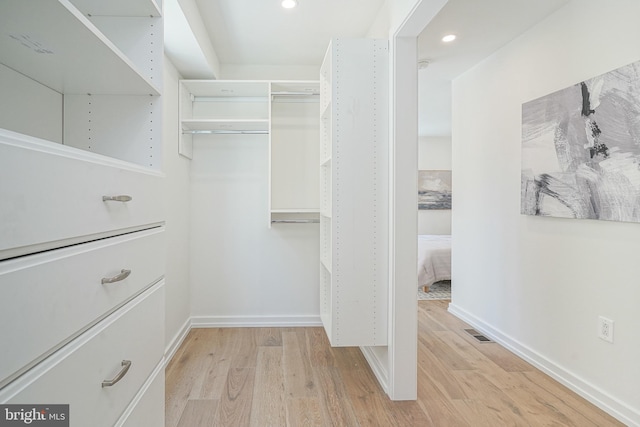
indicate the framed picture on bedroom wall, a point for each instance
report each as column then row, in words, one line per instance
column 434, row 189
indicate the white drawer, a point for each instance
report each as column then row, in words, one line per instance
column 148, row 410
column 51, row 195
column 74, row 375
column 50, row 297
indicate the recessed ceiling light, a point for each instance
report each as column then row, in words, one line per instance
column 449, row 38
column 289, row 4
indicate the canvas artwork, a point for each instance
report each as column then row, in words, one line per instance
column 581, row 149
column 434, row 189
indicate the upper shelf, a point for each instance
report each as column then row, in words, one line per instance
column 53, row 43
column 204, row 126
column 118, row 7
column 298, row 88
column 227, row 88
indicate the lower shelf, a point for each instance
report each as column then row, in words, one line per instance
column 294, row 217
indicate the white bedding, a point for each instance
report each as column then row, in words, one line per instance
column 434, row 259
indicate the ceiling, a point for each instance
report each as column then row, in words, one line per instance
column 481, row 27
column 261, row 32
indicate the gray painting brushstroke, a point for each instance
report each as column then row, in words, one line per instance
column 581, row 149
column 434, row 189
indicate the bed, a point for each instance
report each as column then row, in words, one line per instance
column 434, row 259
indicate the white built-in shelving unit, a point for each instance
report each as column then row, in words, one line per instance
column 285, row 112
column 82, row 218
column 353, row 192
column 103, row 62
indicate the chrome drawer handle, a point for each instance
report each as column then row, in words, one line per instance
column 126, row 364
column 123, row 275
column 121, row 198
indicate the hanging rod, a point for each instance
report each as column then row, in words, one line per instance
column 295, row 221
column 226, row 132
column 291, row 93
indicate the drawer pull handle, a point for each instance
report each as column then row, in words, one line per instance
column 123, row 275
column 122, row 198
column 126, row 364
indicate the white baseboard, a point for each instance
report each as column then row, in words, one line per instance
column 176, row 342
column 377, row 367
column 254, row 321
column 592, row 393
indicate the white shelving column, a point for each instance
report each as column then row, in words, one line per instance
column 354, row 192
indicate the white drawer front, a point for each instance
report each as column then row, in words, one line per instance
column 149, row 410
column 74, row 375
column 49, row 197
column 49, row 297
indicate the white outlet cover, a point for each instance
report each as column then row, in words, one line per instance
column 605, row 329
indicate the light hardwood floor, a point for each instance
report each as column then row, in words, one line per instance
column 292, row 377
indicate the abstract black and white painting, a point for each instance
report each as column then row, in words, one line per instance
column 581, row 149
column 434, row 189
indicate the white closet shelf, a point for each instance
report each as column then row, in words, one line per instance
column 118, row 7
column 53, row 43
column 296, row 210
column 301, row 89
column 325, row 161
column 225, row 125
column 295, row 216
column 228, row 88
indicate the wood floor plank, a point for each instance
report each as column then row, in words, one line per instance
column 367, row 399
column 444, row 352
column 571, row 399
column 268, row 404
column 444, row 413
column 490, row 412
column 334, row 402
column 269, row 337
column 234, row 408
column 432, row 371
column 348, row 358
column 320, row 351
column 200, row 413
column 246, row 352
column 184, row 374
column 304, row 412
column 502, row 357
column 298, row 375
column 215, row 378
column 408, row 413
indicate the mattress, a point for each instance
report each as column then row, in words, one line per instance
column 434, row 259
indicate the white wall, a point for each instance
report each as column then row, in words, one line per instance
column 434, row 153
column 177, row 204
column 269, row 72
column 242, row 271
column 29, row 108
column 539, row 284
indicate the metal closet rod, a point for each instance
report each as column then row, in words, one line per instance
column 295, row 221
column 226, row 132
column 292, row 93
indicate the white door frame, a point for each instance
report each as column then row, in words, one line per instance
column 403, row 155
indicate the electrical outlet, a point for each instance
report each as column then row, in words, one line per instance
column 605, row 329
